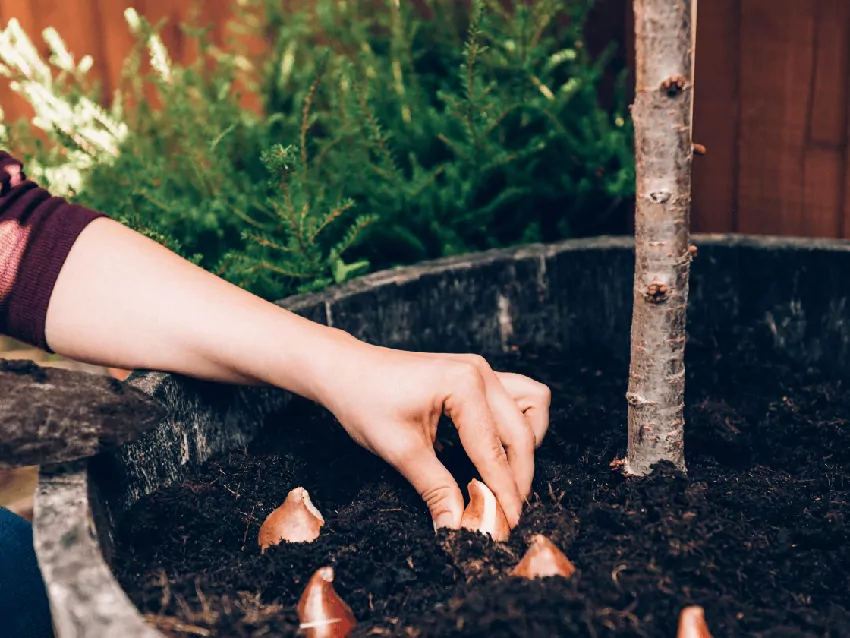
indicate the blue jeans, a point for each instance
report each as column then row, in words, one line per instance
column 24, row 610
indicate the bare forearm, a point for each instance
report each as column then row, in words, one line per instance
column 123, row 300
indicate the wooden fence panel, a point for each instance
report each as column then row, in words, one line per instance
column 823, row 161
column 776, row 58
column 771, row 97
column 25, row 13
column 116, row 40
column 715, row 176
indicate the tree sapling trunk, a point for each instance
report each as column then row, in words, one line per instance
column 662, row 114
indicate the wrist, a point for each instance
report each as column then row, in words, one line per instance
column 327, row 362
column 298, row 355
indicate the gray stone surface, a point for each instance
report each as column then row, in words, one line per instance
column 575, row 293
column 49, row 415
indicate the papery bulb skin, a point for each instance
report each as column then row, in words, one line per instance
column 296, row 521
column 542, row 560
column 484, row 514
column 692, row 623
column 321, row 612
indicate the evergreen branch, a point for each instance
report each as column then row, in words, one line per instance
column 353, row 233
column 245, row 217
column 326, row 148
column 150, row 198
column 547, row 12
column 501, row 116
column 305, row 209
column 382, row 172
column 217, row 140
column 454, row 147
column 430, row 179
column 510, row 158
column 375, row 128
column 497, row 7
column 266, row 243
column 504, row 160
column 514, row 100
column 553, row 119
column 305, row 125
column 280, row 270
column 335, row 213
column 288, row 215
column 545, row 90
column 505, row 196
column 224, row 265
column 305, row 117
column 291, row 216
column 471, row 51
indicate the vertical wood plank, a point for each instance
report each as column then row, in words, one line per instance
column 823, row 167
column 218, row 13
column 829, row 83
column 844, row 222
column 172, row 38
column 823, row 172
column 606, row 24
column 116, row 40
column 74, row 21
column 23, row 12
column 182, row 48
column 173, row 13
column 715, row 196
column 629, row 44
column 777, row 38
column 15, row 106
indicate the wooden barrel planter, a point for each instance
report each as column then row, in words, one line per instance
column 160, row 537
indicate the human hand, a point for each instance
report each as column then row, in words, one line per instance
column 122, row 300
column 390, row 401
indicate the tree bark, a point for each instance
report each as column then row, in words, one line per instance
column 662, row 114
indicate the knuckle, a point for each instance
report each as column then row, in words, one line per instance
column 466, row 377
column 496, row 450
column 478, row 361
column 485, row 443
column 544, row 394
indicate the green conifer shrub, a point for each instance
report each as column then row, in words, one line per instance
column 389, row 132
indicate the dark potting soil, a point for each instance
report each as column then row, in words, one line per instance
column 756, row 533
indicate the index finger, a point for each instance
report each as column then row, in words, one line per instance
column 533, row 399
column 468, row 408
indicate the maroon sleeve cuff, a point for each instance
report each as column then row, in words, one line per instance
column 37, row 232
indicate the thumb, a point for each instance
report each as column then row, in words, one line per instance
column 435, row 485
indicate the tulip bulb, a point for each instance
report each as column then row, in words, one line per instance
column 296, row 521
column 692, row 623
column 321, row 612
column 543, row 559
column 484, row 514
